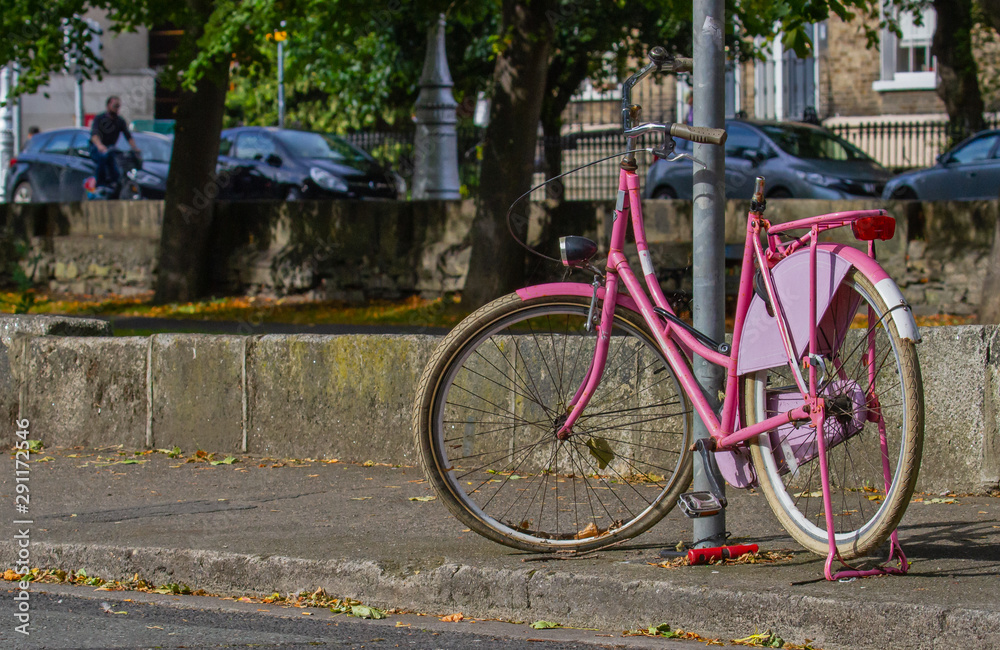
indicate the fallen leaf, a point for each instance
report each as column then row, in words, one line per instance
column 229, row 460
column 364, row 611
column 422, row 498
column 601, row 450
column 590, row 531
column 544, row 625
column 453, row 618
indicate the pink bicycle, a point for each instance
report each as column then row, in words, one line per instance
column 557, row 417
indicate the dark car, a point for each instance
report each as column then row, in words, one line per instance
column 797, row 160
column 54, row 164
column 150, row 180
column 272, row 163
column 970, row 171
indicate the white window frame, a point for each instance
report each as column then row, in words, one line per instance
column 891, row 79
column 769, row 92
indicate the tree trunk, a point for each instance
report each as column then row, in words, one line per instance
column 497, row 265
column 191, row 189
column 562, row 81
column 989, row 304
column 959, row 87
column 552, row 148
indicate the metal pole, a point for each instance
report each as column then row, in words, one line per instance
column 6, row 127
column 78, row 99
column 17, row 114
column 709, row 231
column 281, row 79
column 435, row 168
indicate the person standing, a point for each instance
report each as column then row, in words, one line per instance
column 104, row 133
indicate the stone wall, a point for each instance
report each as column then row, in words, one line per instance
column 350, row 397
column 357, row 251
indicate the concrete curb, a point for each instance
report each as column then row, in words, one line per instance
column 350, row 397
column 543, row 593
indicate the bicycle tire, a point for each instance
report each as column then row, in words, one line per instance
column 489, row 404
column 866, row 512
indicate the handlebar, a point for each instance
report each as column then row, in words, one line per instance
column 660, row 61
column 701, row 134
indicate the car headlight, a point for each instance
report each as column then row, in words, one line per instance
column 327, row 181
column 144, row 178
column 818, row 179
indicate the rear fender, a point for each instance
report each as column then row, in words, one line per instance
column 760, row 344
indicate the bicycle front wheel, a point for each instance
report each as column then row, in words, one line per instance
column 873, row 430
column 497, row 390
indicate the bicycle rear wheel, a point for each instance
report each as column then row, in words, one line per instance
column 865, row 387
column 496, row 391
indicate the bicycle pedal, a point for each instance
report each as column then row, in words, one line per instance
column 700, row 504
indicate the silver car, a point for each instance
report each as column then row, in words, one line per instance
column 968, row 172
column 797, row 160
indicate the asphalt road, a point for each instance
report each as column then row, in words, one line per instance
column 80, row 617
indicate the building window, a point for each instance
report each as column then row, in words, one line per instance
column 907, row 63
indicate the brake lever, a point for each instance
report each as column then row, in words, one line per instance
column 658, row 153
column 687, row 156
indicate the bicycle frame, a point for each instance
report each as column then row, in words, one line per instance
column 678, row 344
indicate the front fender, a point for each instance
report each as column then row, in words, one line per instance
column 760, row 344
column 573, row 289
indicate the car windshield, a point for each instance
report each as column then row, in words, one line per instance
column 814, row 144
column 153, row 149
column 303, row 144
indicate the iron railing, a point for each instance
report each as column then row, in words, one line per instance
column 896, row 145
column 904, row 145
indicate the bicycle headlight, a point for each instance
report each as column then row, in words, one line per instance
column 326, row 180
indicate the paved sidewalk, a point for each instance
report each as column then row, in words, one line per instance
column 353, row 530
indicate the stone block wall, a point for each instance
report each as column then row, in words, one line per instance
column 351, row 397
column 358, row 251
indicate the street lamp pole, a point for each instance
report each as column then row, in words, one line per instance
column 709, row 290
column 281, row 76
column 6, row 125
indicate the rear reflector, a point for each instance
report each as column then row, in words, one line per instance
column 13, row 161
column 877, row 227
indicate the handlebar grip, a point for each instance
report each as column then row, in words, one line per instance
column 701, row 134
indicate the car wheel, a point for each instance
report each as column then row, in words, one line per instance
column 664, row 193
column 779, row 193
column 293, row 194
column 904, row 194
column 23, row 193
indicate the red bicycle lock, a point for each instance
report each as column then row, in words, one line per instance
column 719, row 553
